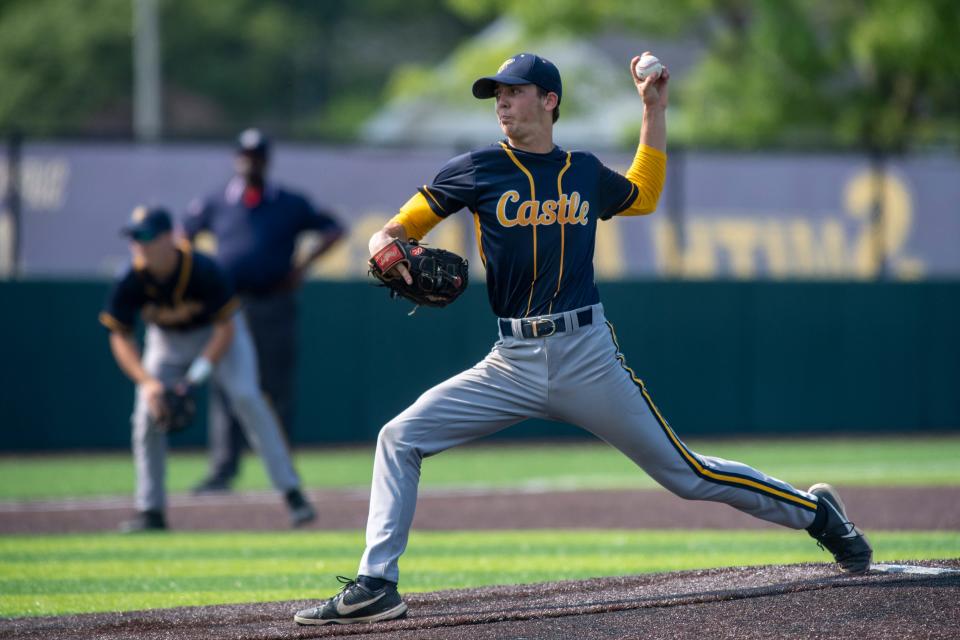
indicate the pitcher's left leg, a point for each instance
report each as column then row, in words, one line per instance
column 621, row 411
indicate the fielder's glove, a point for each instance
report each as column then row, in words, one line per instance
column 439, row 277
column 178, row 410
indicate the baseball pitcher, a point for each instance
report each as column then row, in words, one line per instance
column 536, row 208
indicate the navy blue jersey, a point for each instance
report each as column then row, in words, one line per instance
column 255, row 244
column 196, row 294
column 536, row 217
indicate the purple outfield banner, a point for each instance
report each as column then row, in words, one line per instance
column 767, row 216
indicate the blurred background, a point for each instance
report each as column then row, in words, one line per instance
column 802, row 274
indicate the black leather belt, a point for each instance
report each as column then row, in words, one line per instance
column 544, row 327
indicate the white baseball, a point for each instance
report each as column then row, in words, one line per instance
column 648, row 65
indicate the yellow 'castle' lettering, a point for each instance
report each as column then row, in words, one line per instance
column 565, row 210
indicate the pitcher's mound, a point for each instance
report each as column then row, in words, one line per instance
column 793, row 601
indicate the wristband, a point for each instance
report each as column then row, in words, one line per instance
column 199, row 371
column 388, row 257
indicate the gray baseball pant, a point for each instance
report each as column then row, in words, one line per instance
column 273, row 325
column 579, row 377
column 167, row 356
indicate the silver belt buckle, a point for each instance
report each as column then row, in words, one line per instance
column 538, row 333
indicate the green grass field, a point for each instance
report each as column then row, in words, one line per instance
column 45, row 575
column 587, row 465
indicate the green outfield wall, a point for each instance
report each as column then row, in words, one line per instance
column 719, row 358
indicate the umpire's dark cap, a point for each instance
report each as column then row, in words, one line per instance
column 253, row 142
column 523, row 68
column 146, row 223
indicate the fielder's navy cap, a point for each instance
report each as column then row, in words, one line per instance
column 523, row 68
column 253, row 141
column 146, row 223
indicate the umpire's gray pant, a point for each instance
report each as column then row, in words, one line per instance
column 579, row 377
column 167, row 356
column 273, row 325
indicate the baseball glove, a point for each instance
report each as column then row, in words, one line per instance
column 439, row 277
column 179, row 408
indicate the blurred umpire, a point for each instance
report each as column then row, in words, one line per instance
column 256, row 224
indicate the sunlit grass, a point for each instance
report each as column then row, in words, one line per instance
column 46, row 575
column 583, row 465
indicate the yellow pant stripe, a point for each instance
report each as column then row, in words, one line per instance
column 691, row 459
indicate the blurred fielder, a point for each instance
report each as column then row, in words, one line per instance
column 194, row 332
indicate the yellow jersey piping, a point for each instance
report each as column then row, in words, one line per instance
column 185, row 268
column 476, row 223
column 631, row 198
column 562, row 227
column 533, row 224
column 227, row 309
column 113, row 324
column 432, row 197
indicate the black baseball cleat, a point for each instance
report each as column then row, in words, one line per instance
column 356, row 603
column 304, row 514
column 211, row 485
column 301, row 511
column 837, row 534
column 144, row 521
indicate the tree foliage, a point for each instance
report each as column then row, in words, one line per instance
column 58, row 66
column 879, row 74
column 299, row 67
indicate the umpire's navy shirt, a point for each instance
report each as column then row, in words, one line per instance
column 255, row 244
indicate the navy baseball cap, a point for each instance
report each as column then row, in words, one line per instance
column 146, row 223
column 523, row 68
column 253, row 141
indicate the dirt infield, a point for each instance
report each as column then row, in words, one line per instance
column 797, row 601
column 794, row 601
column 873, row 508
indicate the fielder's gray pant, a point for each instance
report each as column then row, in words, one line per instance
column 578, row 377
column 272, row 320
column 167, row 356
